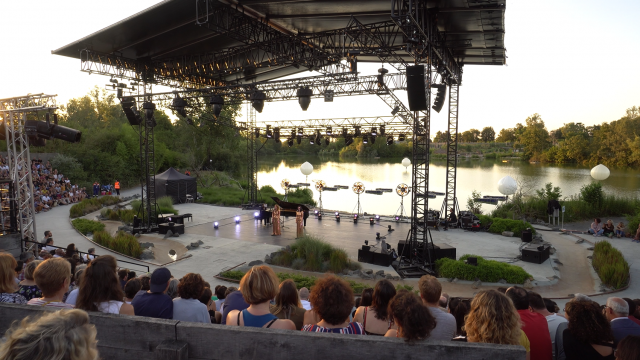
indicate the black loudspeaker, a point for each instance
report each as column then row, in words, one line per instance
column 365, row 256
column 416, row 88
column 527, row 235
column 533, row 254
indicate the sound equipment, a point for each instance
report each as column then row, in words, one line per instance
column 365, row 256
column 472, row 261
column 439, row 251
column 534, row 254
column 366, row 248
column 527, row 235
column 375, row 258
column 416, row 88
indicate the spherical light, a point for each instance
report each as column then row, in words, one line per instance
column 306, row 169
column 507, row 185
column 600, row 172
column 406, row 162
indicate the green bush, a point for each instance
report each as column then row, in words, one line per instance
column 88, row 206
column 85, row 226
column 485, row 220
column 123, row 243
column 592, row 193
column 610, row 265
column 498, row 226
column 300, row 280
column 487, row 270
column 165, row 206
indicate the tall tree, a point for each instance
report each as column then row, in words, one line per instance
column 535, row 137
column 488, row 134
column 506, row 135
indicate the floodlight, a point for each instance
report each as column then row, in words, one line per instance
column 304, row 97
column 276, row 134
column 256, row 132
column 149, row 108
column 377, row 217
column 329, row 130
column 290, row 142
column 337, row 216
column 256, row 214
column 257, row 100
column 372, row 139
column 237, row 219
column 382, row 129
column 357, row 131
column 300, row 131
column 355, row 218
column 389, row 140
column 326, row 141
column 374, row 131
column 216, row 102
column 129, row 107
column 215, row 225
column 178, row 105
column 401, row 137
column 371, row 221
column 299, row 140
column 348, row 140
column 365, row 139
column 395, row 110
column 439, row 101
column 268, row 132
column 39, row 131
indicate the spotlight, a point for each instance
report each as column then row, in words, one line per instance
column 337, row 216
column 276, row 134
column 348, row 140
column 374, row 131
column 373, row 139
column 256, row 214
column 311, row 141
column 328, row 96
column 395, row 110
column 39, row 131
column 377, row 217
column 401, row 137
column 377, row 236
column 439, row 101
column 315, row 212
column 319, row 216
column 256, row 132
column 371, row 221
column 355, row 218
column 178, row 105
column 357, row 131
column 257, row 100
column 216, row 102
column 344, row 132
column 389, row 229
column 300, row 131
column 329, row 131
column 237, row 219
column 268, row 132
column 130, row 111
column 382, row 130
column 326, row 141
column 318, row 138
column 365, row 139
column 304, row 97
column 290, row 142
column 149, row 108
column 389, row 140
column 299, row 140
column 215, row 225
column 397, row 219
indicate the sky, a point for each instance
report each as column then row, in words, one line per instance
column 568, row 60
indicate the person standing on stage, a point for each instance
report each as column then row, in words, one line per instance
column 117, row 187
column 299, row 223
column 276, row 220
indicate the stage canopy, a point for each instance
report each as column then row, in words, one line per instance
column 177, row 185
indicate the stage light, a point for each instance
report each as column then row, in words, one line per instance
column 318, row 138
column 319, row 216
column 401, row 137
column 348, row 140
column 357, row 131
column 40, row 131
column 371, row 221
column 178, row 105
column 256, row 132
column 311, row 141
column 329, row 131
column 382, row 130
column 344, row 132
column 337, row 217
column 215, row 225
column 130, row 111
column 237, row 219
column 389, row 140
column 439, row 101
column 326, row 141
column 268, row 132
column 365, row 139
column 149, row 108
column 290, row 142
column 395, row 110
column 355, row 218
column 389, row 229
column 372, row 139
column 366, row 242
column 377, row 217
column 300, row 131
column 315, row 212
column 216, row 102
column 276, row 134
column 374, row 131
column 328, row 96
column 299, row 140
column 256, row 214
column 353, row 64
column 257, row 100
column 397, row 219
column 304, row 97
column 377, row 236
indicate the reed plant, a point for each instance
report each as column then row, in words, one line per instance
column 486, row 270
column 312, row 254
column 88, row 206
column 610, row 265
column 165, row 206
column 123, row 243
column 85, row 226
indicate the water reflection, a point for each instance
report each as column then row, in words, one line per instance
column 480, row 175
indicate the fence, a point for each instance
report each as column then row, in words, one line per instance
column 141, row 338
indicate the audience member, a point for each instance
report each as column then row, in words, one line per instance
column 220, row 294
column 73, row 295
column 59, row 253
column 588, row 335
column 288, row 305
column 617, row 312
column 332, row 300
column 53, row 277
column 187, row 307
column 58, row 335
column 48, row 244
column 444, row 301
column 459, row 308
column 551, row 306
column 44, row 255
column 628, row 348
column 206, row 299
column 536, row 305
column 620, row 230
column 608, row 229
column 493, row 319
column 367, row 297
column 596, row 227
column 26, row 257
column 155, row 302
column 71, row 250
column 633, row 307
column 172, row 291
column 90, row 255
column 131, row 288
column 233, row 301
column 430, row 291
column 122, row 277
column 145, row 282
column 376, row 316
column 412, row 318
column 28, row 287
column 100, row 289
column 304, row 298
column 534, row 324
column 8, row 279
column 258, row 287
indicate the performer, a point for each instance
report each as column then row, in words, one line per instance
column 299, row 223
column 276, row 221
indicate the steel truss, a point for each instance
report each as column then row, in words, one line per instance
column 251, row 194
column 15, row 112
column 394, row 126
column 450, row 199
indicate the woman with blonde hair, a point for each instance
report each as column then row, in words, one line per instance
column 493, row 319
column 258, row 287
column 28, row 287
column 288, row 305
column 8, row 285
column 64, row 334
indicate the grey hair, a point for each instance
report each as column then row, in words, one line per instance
column 581, row 297
column 172, row 291
column 618, row 306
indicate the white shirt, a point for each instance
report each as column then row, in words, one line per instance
column 306, row 304
column 553, row 321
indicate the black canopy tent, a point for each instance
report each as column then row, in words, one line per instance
column 177, row 185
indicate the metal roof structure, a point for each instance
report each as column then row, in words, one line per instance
column 209, row 42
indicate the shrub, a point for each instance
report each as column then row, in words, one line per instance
column 85, row 226
column 126, row 215
column 592, row 193
column 88, row 206
column 485, row 220
column 498, row 226
column 487, row 270
column 123, row 243
column 610, row 265
column 165, row 206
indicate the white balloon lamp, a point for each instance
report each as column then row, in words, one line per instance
column 507, row 186
column 600, row 172
column 406, row 163
column 306, row 169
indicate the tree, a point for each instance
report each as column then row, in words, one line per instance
column 506, row 135
column 472, row 135
column 440, row 137
column 549, row 192
column 535, row 137
column 473, row 205
column 488, row 134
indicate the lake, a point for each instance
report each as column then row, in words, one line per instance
column 479, row 175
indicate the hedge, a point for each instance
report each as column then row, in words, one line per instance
column 498, row 226
column 610, row 265
column 486, row 270
column 123, row 243
column 88, row 206
column 300, row 280
column 85, row 226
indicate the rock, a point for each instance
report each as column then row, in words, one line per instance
column 476, row 284
column 396, row 278
column 267, row 259
column 380, row 272
column 455, row 280
column 589, row 257
column 557, row 262
column 200, row 242
column 168, row 234
column 367, row 271
column 147, row 254
column 552, row 250
column 146, row 245
column 507, row 233
column 255, row 262
column 388, row 277
column 194, row 244
column 188, row 247
column 89, row 234
column 129, row 232
column 537, row 237
column 137, row 235
column 590, row 248
column 345, row 271
column 579, row 241
column 528, row 284
column 555, row 268
column 366, row 276
column 502, row 281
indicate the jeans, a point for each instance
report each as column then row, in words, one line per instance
column 590, row 231
column 620, row 232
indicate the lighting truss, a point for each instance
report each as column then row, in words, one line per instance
column 394, row 125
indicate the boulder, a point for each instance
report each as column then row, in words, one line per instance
column 367, row 271
column 537, row 237
column 579, row 241
column 194, row 244
column 256, row 262
column 507, row 233
column 267, row 259
column 476, row 284
column 176, row 234
column 137, row 235
column 388, row 277
column 528, row 284
column 366, row 276
column 396, row 278
column 89, row 234
column 552, row 250
column 455, row 280
column 146, row 245
column 380, row 272
column 188, row 247
column 168, row 234
column 200, row 242
column 502, row 281
column 147, row 254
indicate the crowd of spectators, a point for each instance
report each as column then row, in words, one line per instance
column 510, row 316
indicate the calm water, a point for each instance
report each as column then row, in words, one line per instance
column 476, row 175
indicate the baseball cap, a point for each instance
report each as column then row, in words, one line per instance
column 159, row 279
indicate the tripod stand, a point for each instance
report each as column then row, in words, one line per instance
column 402, row 215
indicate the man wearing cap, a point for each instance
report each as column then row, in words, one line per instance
column 155, row 302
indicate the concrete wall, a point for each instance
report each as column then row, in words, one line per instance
column 140, row 338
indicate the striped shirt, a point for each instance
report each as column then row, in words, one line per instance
column 56, row 304
column 352, row 328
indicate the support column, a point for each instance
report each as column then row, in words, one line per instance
column 450, row 199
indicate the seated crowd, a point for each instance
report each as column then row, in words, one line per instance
column 609, row 230
column 512, row 316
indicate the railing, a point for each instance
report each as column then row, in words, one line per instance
column 36, row 245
